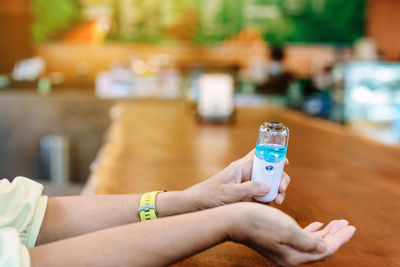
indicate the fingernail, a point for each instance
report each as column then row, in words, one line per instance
column 264, row 188
column 279, row 200
column 285, row 185
column 321, row 246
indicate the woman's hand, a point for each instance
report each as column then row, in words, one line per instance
column 232, row 185
column 335, row 234
column 276, row 236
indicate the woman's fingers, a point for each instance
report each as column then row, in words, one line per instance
column 246, row 162
column 313, row 227
column 304, row 242
column 338, row 226
column 285, row 181
column 247, row 189
column 280, row 198
column 332, row 241
column 342, row 236
column 331, row 228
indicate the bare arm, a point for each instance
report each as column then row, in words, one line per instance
column 272, row 233
column 72, row 216
column 153, row 243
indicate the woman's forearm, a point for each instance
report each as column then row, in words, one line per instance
column 153, row 243
column 72, row 216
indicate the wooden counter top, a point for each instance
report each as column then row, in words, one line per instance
column 335, row 174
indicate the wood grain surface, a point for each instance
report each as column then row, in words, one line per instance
column 335, row 173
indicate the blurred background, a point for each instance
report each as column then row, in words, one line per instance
column 64, row 63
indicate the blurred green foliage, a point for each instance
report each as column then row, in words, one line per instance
column 211, row 21
column 53, row 17
column 339, row 21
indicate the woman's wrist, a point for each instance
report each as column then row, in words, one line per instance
column 239, row 217
column 231, row 217
column 201, row 196
column 175, row 202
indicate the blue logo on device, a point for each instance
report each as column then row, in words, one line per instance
column 269, row 169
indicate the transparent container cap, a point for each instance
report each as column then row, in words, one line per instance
column 273, row 133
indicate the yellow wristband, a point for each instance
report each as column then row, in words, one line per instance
column 147, row 209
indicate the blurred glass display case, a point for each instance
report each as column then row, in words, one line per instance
column 372, row 100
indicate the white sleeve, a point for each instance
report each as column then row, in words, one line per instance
column 12, row 252
column 22, row 207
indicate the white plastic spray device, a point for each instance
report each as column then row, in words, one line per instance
column 270, row 156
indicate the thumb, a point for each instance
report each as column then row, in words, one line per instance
column 303, row 242
column 250, row 189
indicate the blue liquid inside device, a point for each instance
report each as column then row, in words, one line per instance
column 271, row 153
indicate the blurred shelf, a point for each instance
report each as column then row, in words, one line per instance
column 67, row 58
